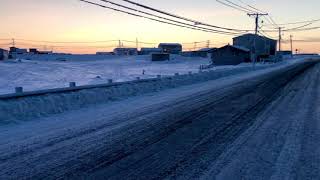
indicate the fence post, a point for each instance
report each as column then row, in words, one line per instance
column 19, row 90
column 72, row 84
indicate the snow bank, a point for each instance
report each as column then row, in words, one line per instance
column 42, row 103
column 25, row 106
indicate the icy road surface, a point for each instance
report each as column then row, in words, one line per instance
column 258, row 126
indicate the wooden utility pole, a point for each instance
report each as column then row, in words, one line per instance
column 119, row 45
column 137, row 43
column 257, row 16
column 208, row 44
column 13, row 43
column 195, row 46
column 280, row 37
column 291, row 44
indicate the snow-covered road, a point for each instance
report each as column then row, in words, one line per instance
column 261, row 125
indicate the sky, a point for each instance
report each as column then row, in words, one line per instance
column 74, row 21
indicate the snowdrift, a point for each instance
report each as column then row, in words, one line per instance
column 29, row 105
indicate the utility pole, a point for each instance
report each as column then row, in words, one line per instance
column 13, row 43
column 280, row 37
column 208, row 44
column 257, row 16
column 195, row 46
column 253, row 50
column 119, row 44
column 291, row 44
column 137, row 43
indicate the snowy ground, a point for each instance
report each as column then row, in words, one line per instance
column 260, row 125
column 43, row 72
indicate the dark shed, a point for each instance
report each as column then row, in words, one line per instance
column 230, row 55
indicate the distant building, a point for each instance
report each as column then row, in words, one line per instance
column 160, row 57
column 230, row 55
column 21, row 51
column 14, row 51
column 283, row 55
column 104, row 53
column 259, row 46
column 45, row 52
column 125, row 51
column 194, row 54
column 4, row 54
column 205, row 52
column 171, row 48
column 147, row 51
column 33, row 51
column 208, row 50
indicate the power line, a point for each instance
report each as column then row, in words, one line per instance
column 183, row 18
column 256, row 10
column 66, row 42
column 300, row 22
column 153, row 15
column 302, row 41
column 165, row 22
column 305, row 29
column 252, row 7
column 235, row 6
column 299, row 27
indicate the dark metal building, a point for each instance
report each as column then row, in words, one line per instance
column 230, row 55
column 260, row 47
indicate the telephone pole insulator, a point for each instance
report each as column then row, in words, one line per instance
column 257, row 16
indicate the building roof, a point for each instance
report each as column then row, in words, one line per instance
column 252, row 35
column 207, row 49
column 236, row 47
column 151, row 49
column 240, row 48
column 122, row 48
column 170, row 44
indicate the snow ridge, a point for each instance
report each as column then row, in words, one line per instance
column 35, row 105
